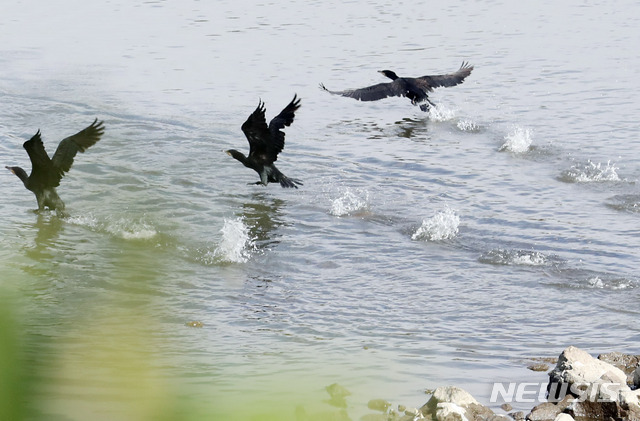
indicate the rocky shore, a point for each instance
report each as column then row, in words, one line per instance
column 580, row 388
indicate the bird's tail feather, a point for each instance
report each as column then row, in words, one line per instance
column 289, row 182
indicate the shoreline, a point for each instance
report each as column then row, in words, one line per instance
column 579, row 388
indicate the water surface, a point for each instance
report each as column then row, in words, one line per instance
column 423, row 250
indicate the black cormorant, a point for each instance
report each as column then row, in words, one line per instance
column 46, row 172
column 416, row 89
column 266, row 142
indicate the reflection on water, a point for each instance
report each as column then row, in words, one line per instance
column 47, row 227
column 263, row 216
column 407, row 127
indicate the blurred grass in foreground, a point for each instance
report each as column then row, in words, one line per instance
column 105, row 369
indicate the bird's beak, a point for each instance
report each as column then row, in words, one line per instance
column 9, row 168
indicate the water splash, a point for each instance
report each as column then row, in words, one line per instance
column 131, row 230
column 441, row 226
column 349, row 202
column 590, row 173
column 236, row 243
column 518, row 141
column 88, row 221
column 124, row 228
column 441, row 113
column 466, row 125
column 514, row 257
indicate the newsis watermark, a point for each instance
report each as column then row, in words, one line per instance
column 554, row 392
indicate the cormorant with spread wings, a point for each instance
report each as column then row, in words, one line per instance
column 266, row 142
column 46, row 172
column 416, row 89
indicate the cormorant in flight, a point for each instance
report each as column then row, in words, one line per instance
column 416, row 89
column 46, row 172
column 266, row 142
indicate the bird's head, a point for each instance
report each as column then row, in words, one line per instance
column 236, row 154
column 388, row 73
column 22, row 174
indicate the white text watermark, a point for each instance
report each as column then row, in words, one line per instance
column 554, row 392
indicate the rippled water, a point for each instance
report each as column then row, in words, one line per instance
column 422, row 250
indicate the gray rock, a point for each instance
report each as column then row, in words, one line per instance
column 453, row 394
column 596, row 410
column 447, row 411
column 412, row 412
column 630, row 399
column 546, row 411
column 538, row 367
column 454, row 404
column 447, row 394
column 565, row 402
column 625, row 362
column 518, row 416
column 580, row 374
column 506, row 407
column 476, row 411
column 624, row 409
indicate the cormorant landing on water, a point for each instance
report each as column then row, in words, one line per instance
column 416, row 89
column 266, row 142
column 46, row 172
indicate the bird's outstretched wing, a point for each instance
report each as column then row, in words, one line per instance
column 256, row 131
column 285, row 118
column 429, row 82
column 70, row 146
column 42, row 170
column 371, row 93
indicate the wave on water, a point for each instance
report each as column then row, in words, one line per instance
column 617, row 283
column 235, row 245
column 600, row 281
column 124, row 228
column 625, row 203
column 590, row 172
column 350, row 201
column 514, row 257
column 518, row 141
column 441, row 226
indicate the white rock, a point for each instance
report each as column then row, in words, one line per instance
column 589, row 378
column 564, row 417
column 447, row 411
column 455, row 395
column 630, row 398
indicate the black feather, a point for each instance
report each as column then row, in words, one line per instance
column 416, row 89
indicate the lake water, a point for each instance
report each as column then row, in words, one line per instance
column 447, row 248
